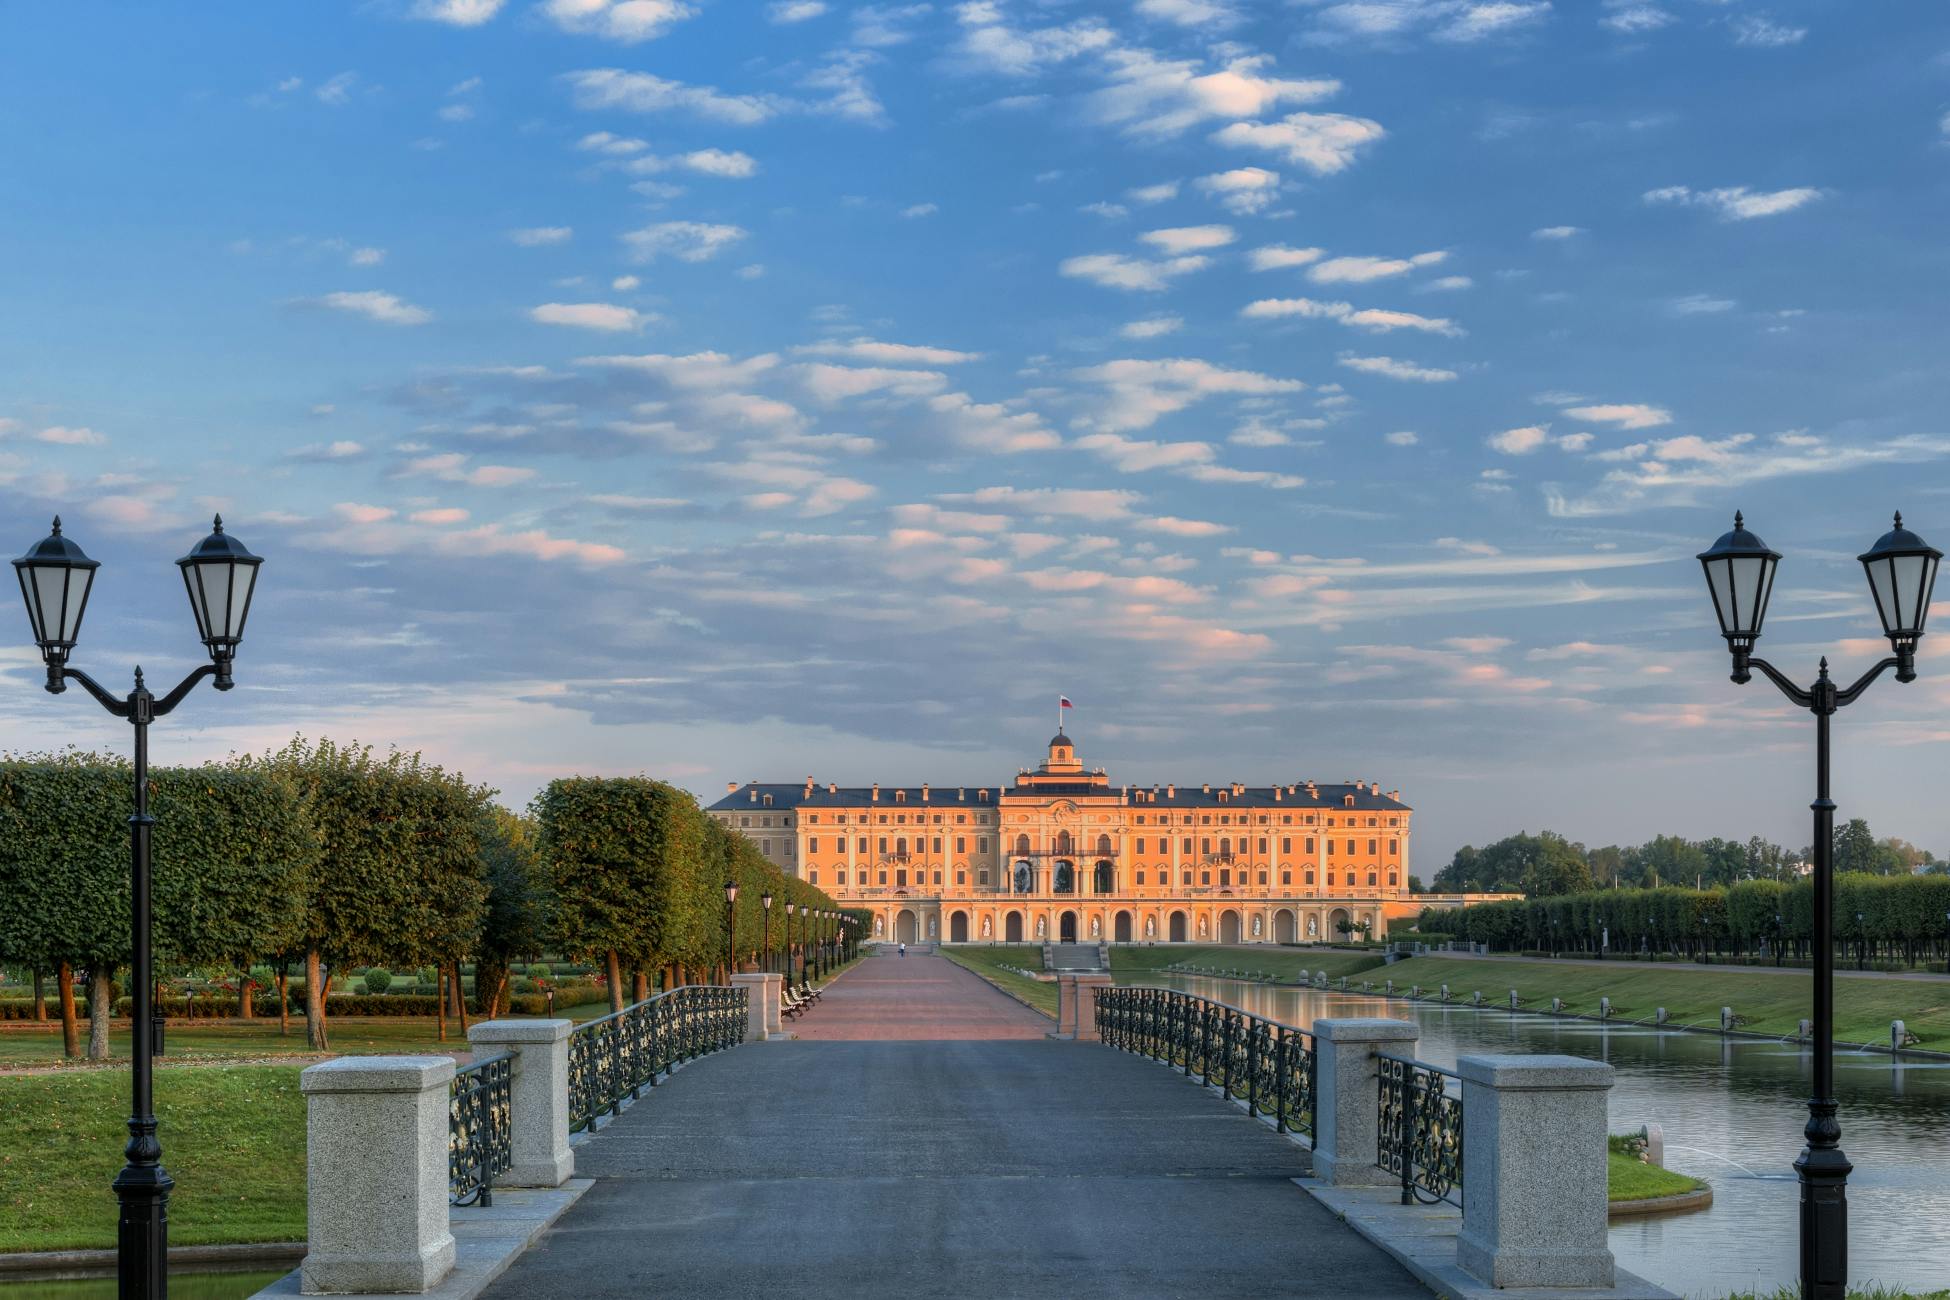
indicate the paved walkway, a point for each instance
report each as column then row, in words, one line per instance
column 891, row 1160
column 915, row 998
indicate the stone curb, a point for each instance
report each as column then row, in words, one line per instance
column 79, row 1265
column 1676, row 1203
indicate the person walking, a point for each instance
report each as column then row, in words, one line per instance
column 903, row 951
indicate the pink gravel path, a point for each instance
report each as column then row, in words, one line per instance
column 916, row 997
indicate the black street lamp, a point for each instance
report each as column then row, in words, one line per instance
column 765, row 901
column 1901, row 569
column 1861, row 941
column 1780, row 930
column 730, row 927
column 55, row 578
column 788, row 940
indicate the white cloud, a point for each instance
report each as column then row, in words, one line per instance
column 689, row 241
column 1520, row 441
column 1138, row 392
column 452, row 467
column 1278, row 257
column 1401, row 438
column 894, row 354
column 1148, row 194
column 1117, row 271
column 1390, row 368
column 794, row 11
column 542, row 236
column 1243, row 190
column 989, row 44
column 990, row 426
column 456, row 113
column 626, row 21
column 1189, row 13
column 588, row 315
column 325, row 452
column 730, row 164
column 1756, row 29
column 616, row 145
column 1179, row 240
column 366, row 256
column 1360, row 270
column 1324, row 143
column 1372, row 319
column 829, row 383
column 1636, row 18
column 639, row 92
column 374, row 305
column 1151, row 96
column 1108, row 211
column 1152, row 327
column 1622, row 415
column 1737, row 202
column 62, row 435
column 1135, row 455
column 1447, row 283
column 625, row 283
column 1556, row 232
column 457, row 13
column 1700, row 304
column 1177, row 527
column 920, row 210
column 338, row 90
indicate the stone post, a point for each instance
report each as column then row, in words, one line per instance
column 1345, row 1096
column 1534, row 1197
column 1076, row 1006
column 376, row 1174
column 538, row 1118
column 764, row 992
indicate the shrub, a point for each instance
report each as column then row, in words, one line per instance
column 377, row 980
column 540, row 970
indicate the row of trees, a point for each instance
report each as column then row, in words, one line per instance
column 1547, row 863
column 331, row 856
column 1901, row 918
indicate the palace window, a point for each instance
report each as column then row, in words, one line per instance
column 812, row 844
column 1188, row 877
column 1262, row 846
column 1392, row 879
column 1286, row 877
column 900, row 877
column 1310, row 819
column 1225, row 877
column 937, row 877
column 1310, row 877
column 1373, row 847
column 1286, row 844
column 1262, row 877
column 842, row 875
column 1373, row 822
column 1205, row 845
column 744, row 821
column 765, row 847
column 1140, row 844
column 1140, row 875
column 961, row 819
column 901, row 818
column 983, row 877
column 1394, row 821
column 900, row 845
column 1394, row 847
column 961, row 844
column 813, row 817
column 883, row 843
column 937, row 819
column 1310, row 844
column 1350, row 877
column 983, row 844
column 883, row 877
column 1371, row 878
column 937, row 844
column 961, row 877
column 1205, row 878
column 1350, row 848
column 1208, row 819
column 1188, row 849
column 863, row 844
column 812, row 875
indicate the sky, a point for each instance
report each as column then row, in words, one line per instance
column 1331, row 390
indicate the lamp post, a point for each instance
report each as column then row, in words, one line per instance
column 788, row 940
column 1861, row 941
column 765, row 901
column 55, row 576
column 1901, row 569
column 730, row 927
column 1780, row 933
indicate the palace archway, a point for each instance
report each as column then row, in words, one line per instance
column 1337, row 920
column 1178, row 927
column 1121, row 932
column 1067, row 928
column 1283, row 928
column 958, row 928
column 1012, row 928
column 1228, row 926
column 904, row 929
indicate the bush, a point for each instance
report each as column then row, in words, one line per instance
column 377, row 980
column 540, row 970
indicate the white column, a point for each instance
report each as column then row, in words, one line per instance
column 764, row 991
column 376, row 1174
column 538, row 1117
column 1534, row 1197
column 1345, row 1096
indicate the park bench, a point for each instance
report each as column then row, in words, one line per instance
column 790, row 1004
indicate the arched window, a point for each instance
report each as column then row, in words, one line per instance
column 1105, row 878
column 1103, row 845
column 1025, row 878
column 1063, row 842
column 1065, row 881
column 1022, row 846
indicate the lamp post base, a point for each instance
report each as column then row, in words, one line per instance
column 1824, row 1172
column 142, row 1233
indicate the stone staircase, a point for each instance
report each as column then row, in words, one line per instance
column 1076, row 956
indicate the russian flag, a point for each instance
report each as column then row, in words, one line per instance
column 1063, row 702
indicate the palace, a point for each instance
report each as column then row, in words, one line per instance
column 1061, row 855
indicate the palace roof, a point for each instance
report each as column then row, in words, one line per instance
column 1367, row 797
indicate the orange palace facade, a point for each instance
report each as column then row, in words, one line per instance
column 1063, row 856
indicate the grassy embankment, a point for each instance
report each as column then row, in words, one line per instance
column 1627, row 1178
column 233, row 1139
column 1766, row 1002
column 1284, row 964
column 988, row 963
column 1871, row 1292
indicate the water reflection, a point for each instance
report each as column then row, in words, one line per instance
column 182, row 1286
column 1724, row 1103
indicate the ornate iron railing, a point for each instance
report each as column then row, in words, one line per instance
column 479, row 1143
column 1419, row 1129
column 620, row 1054
column 1269, row 1064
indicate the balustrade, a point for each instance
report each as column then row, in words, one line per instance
column 480, row 1139
column 619, row 1054
column 1419, row 1129
column 1271, row 1065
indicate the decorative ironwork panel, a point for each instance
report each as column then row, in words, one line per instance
column 1270, row 1064
column 1419, row 1129
column 480, row 1143
column 620, row 1054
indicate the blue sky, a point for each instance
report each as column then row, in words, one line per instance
column 1307, row 390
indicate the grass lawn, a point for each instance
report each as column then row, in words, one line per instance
column 988, row 963
column 1629, row 1179
column 1284, row 963
column 233, row 1139
column 1870, row 1292
column 1770, row 1004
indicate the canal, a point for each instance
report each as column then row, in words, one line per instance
column 1732, row 1110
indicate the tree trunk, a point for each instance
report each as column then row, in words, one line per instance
column 639, row 985
column 40, row 997
column 101, row 1005
column 316, row 1035
column 460, row 1000
column 500, row 992
column 284, row 1000
column 440, row 1001
column 245, row 992
column 613, row 967
column 64, row 990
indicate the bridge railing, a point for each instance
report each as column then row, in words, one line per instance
column 1273, row 1066
column 1419, row 1128
column 480, row 1137
column 618, row 1055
